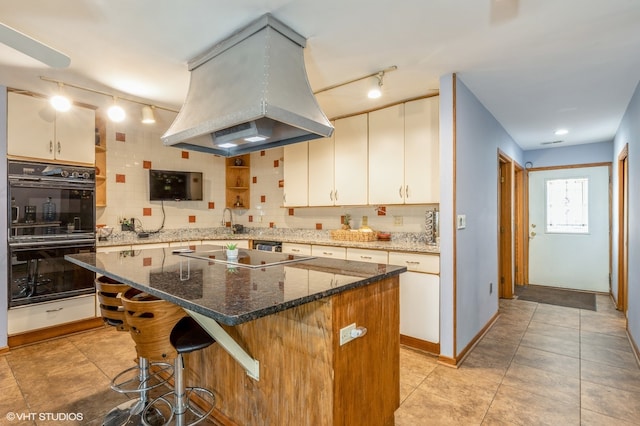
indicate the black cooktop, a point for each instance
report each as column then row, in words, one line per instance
column 246, row 258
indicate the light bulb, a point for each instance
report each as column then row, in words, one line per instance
column 116, row 113
column 60, row 103
column 376, row 87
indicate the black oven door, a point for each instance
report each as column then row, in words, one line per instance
column 39, row 272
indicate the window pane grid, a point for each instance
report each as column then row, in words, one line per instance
column 567, row 206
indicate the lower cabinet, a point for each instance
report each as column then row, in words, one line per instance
column 329, row 251
column 294, row 248
column 48, row 314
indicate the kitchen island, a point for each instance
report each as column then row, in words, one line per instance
column 278, row 319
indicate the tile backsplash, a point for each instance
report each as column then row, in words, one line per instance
column 134, row 148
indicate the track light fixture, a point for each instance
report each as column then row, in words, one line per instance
column 60, row 102
column 374, row 90
column 116, row 113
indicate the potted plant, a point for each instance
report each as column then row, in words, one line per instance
column 232, row 251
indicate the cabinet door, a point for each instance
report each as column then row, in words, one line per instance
column 321, row 172
column 294, row 248
column 422, row 142
column 420, row 306
column 296, row 175
column 30, row 127
column 367, row 255
column 75, row 135
column 386, row 156
column 327, row 251
column 351, row 161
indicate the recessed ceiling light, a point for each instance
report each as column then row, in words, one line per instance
column 561, row 132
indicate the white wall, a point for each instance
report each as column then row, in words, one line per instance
column 629, row 133
column 478, row 137
column 4, row 261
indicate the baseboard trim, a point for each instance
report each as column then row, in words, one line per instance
column 52, row 332
column 457, row 360
column 4, row 350
column 423, row 345
column 634, row 346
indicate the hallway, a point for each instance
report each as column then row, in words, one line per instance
column 538, row 365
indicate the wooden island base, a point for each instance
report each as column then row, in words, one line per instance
column 306, row 377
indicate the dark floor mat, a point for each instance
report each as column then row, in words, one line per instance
column 557, row 296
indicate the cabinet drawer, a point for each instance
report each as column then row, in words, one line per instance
column 366, row 255
column 299, row 249
column 41, row 315
column 428, row 263
column 328, row 251
column 241, row 244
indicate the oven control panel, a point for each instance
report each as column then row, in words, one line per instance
column 18, row 169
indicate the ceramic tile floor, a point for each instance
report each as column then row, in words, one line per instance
column 538, row 365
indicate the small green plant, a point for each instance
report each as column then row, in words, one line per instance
column 231, row 246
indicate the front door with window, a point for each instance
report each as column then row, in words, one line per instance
column 569, row 228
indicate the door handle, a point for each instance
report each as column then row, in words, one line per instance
column 532, row 234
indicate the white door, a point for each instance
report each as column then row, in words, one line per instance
column 569, row 228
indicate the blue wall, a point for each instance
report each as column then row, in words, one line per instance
column 601, row 152
column 629, row 133
column 478, row 137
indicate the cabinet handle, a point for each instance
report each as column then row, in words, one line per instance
column 50, row 146
column 406, row 191
column 327, row 253
column 400, row 191
column 365, row 257
column 53, row 310
column 295, row 250
column 411, row 262
column 284, row 198
column 336, row 195
column 331, row 195
column 59, row 147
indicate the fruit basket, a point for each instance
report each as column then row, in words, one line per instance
column 353, row 235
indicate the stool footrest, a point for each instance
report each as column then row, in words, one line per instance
column 130, row 380
column 193, row 414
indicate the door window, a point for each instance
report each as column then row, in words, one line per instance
column 567, row 203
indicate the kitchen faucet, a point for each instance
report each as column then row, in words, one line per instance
column 224, row 213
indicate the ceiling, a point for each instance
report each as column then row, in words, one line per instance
column 537, row 65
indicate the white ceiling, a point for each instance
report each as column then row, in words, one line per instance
column 556, row 63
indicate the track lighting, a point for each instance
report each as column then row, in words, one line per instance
column 376, row 87
column 148, row 116
column 115, row 112
column 60, row 102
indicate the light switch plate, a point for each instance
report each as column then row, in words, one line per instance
column 462, row 221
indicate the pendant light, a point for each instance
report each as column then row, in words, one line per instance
column 115, row 112
column 60, row 102
column 148, row 116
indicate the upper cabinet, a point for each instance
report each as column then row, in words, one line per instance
column 35, row 131
column 403, row 153
column 295, row 175
column 350, row 161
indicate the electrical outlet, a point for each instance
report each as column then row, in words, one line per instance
column 397, row 220
column 345, row 333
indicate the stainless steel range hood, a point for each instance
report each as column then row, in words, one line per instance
column 248, row 93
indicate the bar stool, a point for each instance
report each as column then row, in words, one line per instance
column 139, row 379
column 150, row 320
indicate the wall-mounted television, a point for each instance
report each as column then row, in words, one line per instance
column 168, row 185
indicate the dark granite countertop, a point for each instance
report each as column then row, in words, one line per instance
column 232, row 294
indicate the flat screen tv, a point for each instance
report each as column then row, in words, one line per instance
column 167, row 185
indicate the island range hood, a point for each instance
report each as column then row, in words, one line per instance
column 248, row 93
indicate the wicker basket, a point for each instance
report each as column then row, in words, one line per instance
column 352, row 235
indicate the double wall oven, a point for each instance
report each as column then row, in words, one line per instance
column 52, row 214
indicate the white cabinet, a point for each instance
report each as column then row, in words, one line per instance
column 403, row 153
column 322, row 172
column 367, row 255
column 48, row 314
column 422, row 145
column 419, row 295
column 36, row 131
column 298, row 249
column 386, row 156
column 296, row 175
column 329, row 251
column 241, row 244
column 351, row 161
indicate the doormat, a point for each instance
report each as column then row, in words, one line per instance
column 557, row 296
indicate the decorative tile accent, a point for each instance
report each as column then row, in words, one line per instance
column 281, row 183
column 192, row 219
column 290, row 212
column 146, row 211
column 185, row 154
column 121, row 137
column 262, row 153
column 147, row 261
column 212, row 205
column 250, row 218
column 382, row 211
column 342, row 220
column 318, row 226
column 276, row 163
column 255, row 179
column 271, row 224
column 146, row 164
column 263, row 198
column 120, row 178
